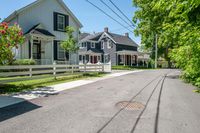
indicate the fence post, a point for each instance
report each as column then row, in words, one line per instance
column 72, row 69
column 30, row 72
column 95, row 68
column 103, row 67
column 54, row 69
column 84, row 67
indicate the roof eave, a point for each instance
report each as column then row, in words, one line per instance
column 68, row 10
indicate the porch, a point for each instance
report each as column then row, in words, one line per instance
column 132, row 58
column 40, row 45
column 127, row 58
column 90, row 57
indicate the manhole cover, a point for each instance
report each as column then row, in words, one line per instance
column 130, row 105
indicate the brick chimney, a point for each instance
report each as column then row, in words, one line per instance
column 106, row 29
column 126, row 34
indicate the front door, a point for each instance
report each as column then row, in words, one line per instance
column 37, row 50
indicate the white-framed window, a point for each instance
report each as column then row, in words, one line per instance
column 60, row 22
column 60, row 52
column 92, row 45
column 109, row 43
column 102, row 44
column 84, row 45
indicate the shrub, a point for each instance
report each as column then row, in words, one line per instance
column 24, row 62
column 10, row 37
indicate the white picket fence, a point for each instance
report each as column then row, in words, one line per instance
column 30, row 70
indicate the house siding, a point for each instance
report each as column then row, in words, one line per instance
column 43, row 13
column 110, row 51
column 121, row 47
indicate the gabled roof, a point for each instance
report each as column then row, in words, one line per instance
column 39, row 31
column 118, row 39
column 83, row 35
column 15, row 13
column 91, row 37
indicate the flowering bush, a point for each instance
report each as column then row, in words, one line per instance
column 10, row 37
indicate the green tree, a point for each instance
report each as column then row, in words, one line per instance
column 70, row 44
column 177, row 24
column 10, row 37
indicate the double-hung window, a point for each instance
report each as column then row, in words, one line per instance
column 60, row 22
column 109, row 43
column 102, row 44
column 92, row 45
column 61, row 52
column 83, row 45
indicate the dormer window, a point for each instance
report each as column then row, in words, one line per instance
column 92, row 45
column 61, row 21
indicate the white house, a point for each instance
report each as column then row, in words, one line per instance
column 43, row 23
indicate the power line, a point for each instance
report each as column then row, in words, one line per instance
column 119, row 29
column 116, row 13
column 108, row 15
column 121, row 11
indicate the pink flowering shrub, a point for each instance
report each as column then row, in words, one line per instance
column 10, row 37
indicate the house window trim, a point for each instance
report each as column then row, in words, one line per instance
column 109, row 43
column 102, row 44
column 55, row 21
column 58, row 51
column 92, row 45
column 83, row 45
column 63, row 16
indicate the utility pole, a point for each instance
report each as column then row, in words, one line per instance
column 156, row 52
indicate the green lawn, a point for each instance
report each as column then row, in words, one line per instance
column 19, row 86
column 121, row 67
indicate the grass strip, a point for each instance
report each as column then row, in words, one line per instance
column 19, row 86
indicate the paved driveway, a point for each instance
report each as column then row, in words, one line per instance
column 158, row 102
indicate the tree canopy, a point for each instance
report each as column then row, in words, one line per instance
column 177, row 24
column 70, row 44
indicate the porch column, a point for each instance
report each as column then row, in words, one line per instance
column 93, row 59
column 137, row 60
column 117, row 60
column 124, row 60
column 131, row 60
column 89, row 59
column 143, row 62
column 31, row 40
column 52, row 52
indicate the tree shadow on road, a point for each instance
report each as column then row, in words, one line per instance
column 16, row 110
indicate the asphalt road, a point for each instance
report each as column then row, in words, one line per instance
column 165, row 105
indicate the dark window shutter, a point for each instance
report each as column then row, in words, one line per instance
column 55, row 21
column 29, row 48
column 67, row 56
column 55, row 50
column 66, row 20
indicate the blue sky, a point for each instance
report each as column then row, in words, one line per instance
column 91, row 18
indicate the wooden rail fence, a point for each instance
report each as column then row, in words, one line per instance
column 30, row 70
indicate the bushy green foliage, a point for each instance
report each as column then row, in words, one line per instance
column 10, row 37
column 177, row 24
column 70, row 43
column 24, row 62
